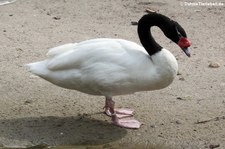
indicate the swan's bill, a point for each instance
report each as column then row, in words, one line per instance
column 187, row 52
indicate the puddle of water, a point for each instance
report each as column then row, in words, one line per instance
column 5, row 2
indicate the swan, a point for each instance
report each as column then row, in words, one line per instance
column 110, row 67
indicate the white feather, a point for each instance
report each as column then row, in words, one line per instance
column 61, row 49
column 107, row 67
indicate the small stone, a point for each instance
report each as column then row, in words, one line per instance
column 179, row 98
column 195, row 47
column 134, row 23
column 57, row 18
column 214, row 65
column 138, row 134
column 161, row 136
column 178, row 122
column 179, row 73
column 212, row 146
column 48, row 13
column 61, row 133
column 59, row 125
column 149, row 10
column 19, row 49
column 184, row 98
column 152, row 126
column 28, row 102
column 11, row 15
column 4, row 30
column 181, row 78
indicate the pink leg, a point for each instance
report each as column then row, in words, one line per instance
column 118, row 116
column 121, row 113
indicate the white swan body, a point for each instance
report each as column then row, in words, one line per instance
column 106, row 67
column 110, row 67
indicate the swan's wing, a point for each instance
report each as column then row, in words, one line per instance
column 103, row 77
column 92, row 51
column 61, row 49
column 101, row 67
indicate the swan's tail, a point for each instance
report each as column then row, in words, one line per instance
column 38, row 68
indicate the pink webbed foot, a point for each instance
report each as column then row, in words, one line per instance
column 120, row 113
column 126, row 122
column 121, row 117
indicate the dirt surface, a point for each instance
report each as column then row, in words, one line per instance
column 189, row 114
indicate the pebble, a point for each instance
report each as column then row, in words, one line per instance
column 152, row 126
column 138, row 134
column 161, row 136
column 19, row 49
column 181, row 78
column 179, row 98
column 214, row 65
column 56, row 18
column 150, row 10
column 28, row 102
column 195, row 47
column 184, row 98
column 134, row 23
column 48, row 13
column 178, row 122
column 179, row 73
column 212, row 146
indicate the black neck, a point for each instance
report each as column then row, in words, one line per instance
column 144, row 26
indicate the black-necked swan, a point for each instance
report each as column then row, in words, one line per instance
column 109, row 67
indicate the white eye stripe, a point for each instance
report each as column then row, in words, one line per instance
column 179, row 34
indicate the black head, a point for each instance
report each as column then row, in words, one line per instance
column 170, row 28
column 178, row 35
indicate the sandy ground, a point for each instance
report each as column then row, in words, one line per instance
column 189, row 114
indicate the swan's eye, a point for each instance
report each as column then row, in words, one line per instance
column 179, row 34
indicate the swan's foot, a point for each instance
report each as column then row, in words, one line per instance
column 124, row 112
column 120, row 113
column 126, row 122
column 121, row 117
